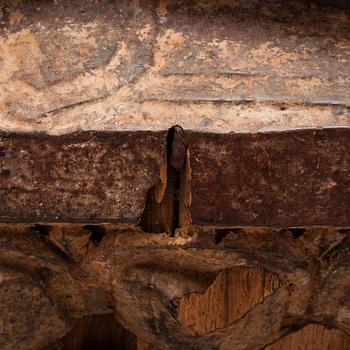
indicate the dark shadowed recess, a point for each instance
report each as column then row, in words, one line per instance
column 345, row 4
column 97, row 332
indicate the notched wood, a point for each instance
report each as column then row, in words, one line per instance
column 167, row 204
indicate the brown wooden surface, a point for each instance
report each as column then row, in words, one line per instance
column 313, row 337
column 84, row 177
column 55, row 275
column 232, row 294
column 261, row 89
column 294, row 178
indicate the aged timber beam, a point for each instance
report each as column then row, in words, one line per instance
column 279, row 179
column 174, row 175
column 82, row 177
column 290, row 178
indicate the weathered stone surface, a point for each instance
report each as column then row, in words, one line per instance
column 215, row 66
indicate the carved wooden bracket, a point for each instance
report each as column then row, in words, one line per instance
column 57, row 274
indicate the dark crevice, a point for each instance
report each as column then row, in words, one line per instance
column 294, row 232
column 293, row 325
column 165, row 212
column 176, row 154
column 42, row 229
column 297, row 232
column 97, row 233
column 43, row 235
column 220, row 235
column 96, row 332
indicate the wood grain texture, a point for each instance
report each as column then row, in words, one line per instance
column 151, row 284
column 313, row 337
column 231, row 295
